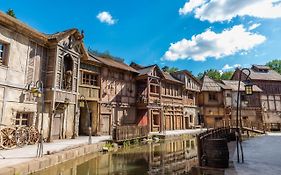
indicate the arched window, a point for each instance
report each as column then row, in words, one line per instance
column 67, row 72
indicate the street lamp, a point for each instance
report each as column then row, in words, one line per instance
column 82, row 103
column 36, row 89
column 248, row 91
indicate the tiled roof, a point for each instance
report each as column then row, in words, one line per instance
column 233, row 84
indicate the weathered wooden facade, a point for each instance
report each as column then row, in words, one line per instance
column 117, row 95
column 28, row 56
column 269, row 81
column 89, row 91
column 159, row 99
column 214, row 100
column 190, row 95
column 250, row 104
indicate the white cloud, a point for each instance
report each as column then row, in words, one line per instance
column 216, row 45
column 227, row 67
column 254, row 26
column 189, row 6
column 225, row 10
column 105, row 17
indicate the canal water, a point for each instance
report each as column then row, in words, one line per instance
column 175, row 156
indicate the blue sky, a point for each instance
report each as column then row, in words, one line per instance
column 205, row 33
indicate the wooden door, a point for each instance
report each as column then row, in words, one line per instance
column 57, row 126
column 105, row 124
column 186, row 122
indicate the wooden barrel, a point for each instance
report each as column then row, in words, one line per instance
column 217, row 154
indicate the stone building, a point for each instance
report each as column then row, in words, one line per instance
column 190, row 98
column 269, row 81
column 28, row 56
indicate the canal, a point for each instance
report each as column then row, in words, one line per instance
column 174, row 156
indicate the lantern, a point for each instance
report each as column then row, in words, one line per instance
column 248, row 88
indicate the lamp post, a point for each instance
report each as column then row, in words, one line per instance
column 248, row 91
column 37, row 91
column 82, row 103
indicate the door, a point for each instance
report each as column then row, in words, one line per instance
column 57, row 126
column 105, row 124
column 186, row 122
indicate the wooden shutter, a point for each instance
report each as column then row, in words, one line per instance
column 31, row 62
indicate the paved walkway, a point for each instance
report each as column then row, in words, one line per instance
column 20, row 155
column 262, row 156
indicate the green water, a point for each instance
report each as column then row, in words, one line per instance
column 169, row 157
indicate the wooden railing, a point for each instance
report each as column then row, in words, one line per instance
column 130, row 132
column 255, row 126
column 222, row 132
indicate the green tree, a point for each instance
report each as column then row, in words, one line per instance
column 169, row 69
column 11, row 13
column 212, row 73
column 226, row 75
column 275, row 65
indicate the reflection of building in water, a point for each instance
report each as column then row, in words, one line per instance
column 172, row 157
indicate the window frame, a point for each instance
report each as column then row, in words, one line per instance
column 5, row 53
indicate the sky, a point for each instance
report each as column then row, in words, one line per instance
column 188, row 34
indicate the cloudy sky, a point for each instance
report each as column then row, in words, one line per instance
column 188, row 34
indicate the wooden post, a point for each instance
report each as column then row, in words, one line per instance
column 199, row 149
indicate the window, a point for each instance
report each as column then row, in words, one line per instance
column 154, row 89
column 23, row 119
column 190, row 96
column 228, row 95
column 90, row 79
column 3, row 54
column 213, row 97
column 191, row 119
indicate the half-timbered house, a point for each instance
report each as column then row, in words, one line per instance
column 117, row 95
column 190, row 98
column 213, row 99
column 269, row 81
column 28, row 56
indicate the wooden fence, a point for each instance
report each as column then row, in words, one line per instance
column 130, row 132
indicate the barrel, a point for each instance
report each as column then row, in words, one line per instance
column 217, row 154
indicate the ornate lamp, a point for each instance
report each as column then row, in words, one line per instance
column 248, row 87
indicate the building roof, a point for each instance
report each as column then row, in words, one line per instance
column 233, row 84
column 114, row 63
column 60, row 35
column 169, row 77
column 260, row 72
column 189, row 74
column 146, row 70
column 209, row 84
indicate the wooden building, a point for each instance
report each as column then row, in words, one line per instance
column 213, row 100
column 250, row 104
column 28, row 56
column 269, row 81
column 190, row 92
column 159, row 99
column 89, row 91
column 117, row 95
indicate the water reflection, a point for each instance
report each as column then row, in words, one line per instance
column 169, row 157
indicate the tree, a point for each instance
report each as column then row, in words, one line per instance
column 226, row 75
column 212, row 73
column 11, row 13
column 169, row 69
column 275, row 65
